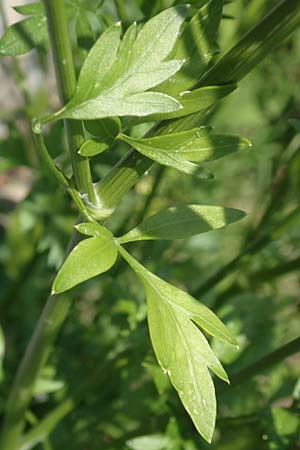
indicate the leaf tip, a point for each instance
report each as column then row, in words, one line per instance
column 247, row 143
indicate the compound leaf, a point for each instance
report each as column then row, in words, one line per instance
column 181, row 348
column 108, row 86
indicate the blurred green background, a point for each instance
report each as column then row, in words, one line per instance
column 103, row 358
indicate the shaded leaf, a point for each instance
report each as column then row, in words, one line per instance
column 197, row 145
column 196, row 46
column 180, row 347
column 198, row 100
column 89, row 258
column 106, row 131
column 93, row 147
column 104, row 128
column 182, row 221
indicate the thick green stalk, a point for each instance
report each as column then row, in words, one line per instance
column 66, row 82
column 268, row 34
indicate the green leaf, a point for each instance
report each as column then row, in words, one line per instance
column 31, row 9
column 110, row 86
column 23, row 36
column 106, row 131
column 197, row 145
column 182, row 221
column 196, row 46
column 97, row 64
column 104, row 128
column 92, row 147
column 90, row 229
column 166, row 158
column 89, row 258
column 198, row 100
column 181, row 348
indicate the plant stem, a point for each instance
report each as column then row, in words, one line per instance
column 265, row 362
column 66, row 82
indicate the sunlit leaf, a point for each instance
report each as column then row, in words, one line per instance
column 114, row 84
column 89, row 258
column 90, row 229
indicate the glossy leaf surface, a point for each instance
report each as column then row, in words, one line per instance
column 182, row 221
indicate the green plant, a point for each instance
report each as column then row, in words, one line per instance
column 163, row 75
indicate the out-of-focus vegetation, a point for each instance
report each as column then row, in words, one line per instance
column 102, row 385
